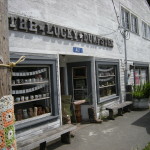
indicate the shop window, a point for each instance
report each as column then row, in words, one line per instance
column 140, row 75
column 107, row 81
column 125, row 18
column 33, row 88
column 134, row 24
column 31, row 91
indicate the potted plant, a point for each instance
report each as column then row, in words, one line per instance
column 141, row 94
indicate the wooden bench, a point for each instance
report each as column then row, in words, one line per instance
column 41, row 139
column 125, row 106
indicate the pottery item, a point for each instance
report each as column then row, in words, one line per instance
column 31, row 97
column 47, row 94
column 30, row 112
column 13, row 81
column 33, row 80
column 19, row 115
column 41, row 79
column 17, row 99
column 35, row 111
column 47, row 110
column 21, row 80
column 18, row 81
column 25, row 114
column 29, row 80
column 44, row 95
column 39, row 111
column 36, row 96
column 26, row 81
column 37, row 79
column 26, row 98
column 22, row 98
column 40, row 95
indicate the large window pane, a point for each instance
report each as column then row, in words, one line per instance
column 134, row 24
column 125, row 18
column 144, row 29
column 31, row 88
column 107, row 81
column 140, row 75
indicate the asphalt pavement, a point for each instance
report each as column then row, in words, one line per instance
column 128, row 132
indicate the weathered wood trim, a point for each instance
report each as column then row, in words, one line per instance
column 120, row 107
column 5, row 84
column 46, row 136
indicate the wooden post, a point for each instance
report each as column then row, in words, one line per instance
column 7, row 130
column 5, row 76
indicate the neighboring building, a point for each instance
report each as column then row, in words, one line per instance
column 75, row 48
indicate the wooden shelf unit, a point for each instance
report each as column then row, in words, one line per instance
column 31, row 89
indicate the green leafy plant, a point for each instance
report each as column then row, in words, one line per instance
column 147, row 147
column 141, row 91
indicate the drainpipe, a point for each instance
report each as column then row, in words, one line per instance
column 125, row 52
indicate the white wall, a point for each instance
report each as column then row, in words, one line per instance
column 92, row 16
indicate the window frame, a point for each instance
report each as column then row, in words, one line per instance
column 40, row 60
column 141, row 66
column 144, row 30
column 136, row 26
column 149, row 32
column 117, row 79
column 124, row 24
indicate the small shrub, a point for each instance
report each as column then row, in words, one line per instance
column 147, row 147
column 141, row 91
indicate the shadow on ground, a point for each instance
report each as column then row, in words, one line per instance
column 144, row 121
column 55, row 145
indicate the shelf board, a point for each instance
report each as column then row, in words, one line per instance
column 31, row 83
column 105, row 98
column 106, row 76
column 80, row 89
column 32, row 119
column 16, row 103
column 79, row 77
column 106, row 86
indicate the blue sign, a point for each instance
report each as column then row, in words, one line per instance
column 77, row 50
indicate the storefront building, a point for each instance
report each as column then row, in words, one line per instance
column 78, row 49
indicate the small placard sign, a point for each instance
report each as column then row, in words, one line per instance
column 77, row 50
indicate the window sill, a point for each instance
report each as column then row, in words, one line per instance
column 146, row 39
column 108, row 98
column 135, row 33
column 33, row 121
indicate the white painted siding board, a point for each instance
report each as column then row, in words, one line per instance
column 92, row 16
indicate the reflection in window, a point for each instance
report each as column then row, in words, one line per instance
column 144, row 29
column 125, row 18
column 140, row 75
column 134, row 24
